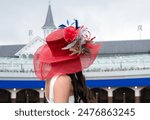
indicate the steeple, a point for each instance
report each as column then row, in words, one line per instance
column 49, row 25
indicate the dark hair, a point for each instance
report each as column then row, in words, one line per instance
column 81, row 91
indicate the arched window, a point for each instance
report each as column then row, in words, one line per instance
column 123, row 95
column 101, row 95
column 24, row 56
column 27, row 96
column 145, row 95
column 5, row 96
column 30, row 56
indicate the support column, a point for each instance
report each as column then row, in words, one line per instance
column 13, row 96
column 137, row 99
column 137, row 95
column 42, row 96
column 110, row 96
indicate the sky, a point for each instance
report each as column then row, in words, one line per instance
column 106, row 19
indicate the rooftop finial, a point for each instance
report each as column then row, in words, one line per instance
column 49, row 2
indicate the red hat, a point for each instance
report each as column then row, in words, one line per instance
column 67, row 50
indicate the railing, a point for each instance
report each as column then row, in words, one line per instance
column 102, row 64
column 28, row 68
column 118, row 69
column 16, row 67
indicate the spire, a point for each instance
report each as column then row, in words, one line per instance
column 49, row 23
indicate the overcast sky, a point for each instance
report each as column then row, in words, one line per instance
column 106, row 19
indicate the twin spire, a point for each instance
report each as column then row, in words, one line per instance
column 49, row 25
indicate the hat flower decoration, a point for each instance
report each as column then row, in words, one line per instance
column 77, row 38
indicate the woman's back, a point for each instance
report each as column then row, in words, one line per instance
column 59, row 89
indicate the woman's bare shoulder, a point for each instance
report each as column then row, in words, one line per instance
column 63, row 79
column 62, row 88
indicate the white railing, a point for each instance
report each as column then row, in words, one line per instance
column 16, row 65
column 102, row 64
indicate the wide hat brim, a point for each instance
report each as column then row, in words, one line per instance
column 45, row 55
column 46, row 65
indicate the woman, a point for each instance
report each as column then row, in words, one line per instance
column 68, row 50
